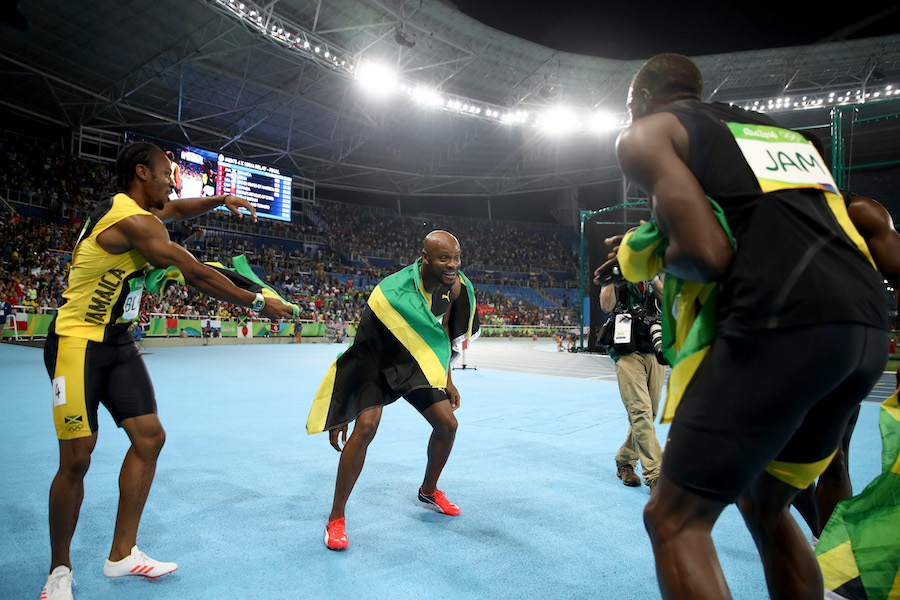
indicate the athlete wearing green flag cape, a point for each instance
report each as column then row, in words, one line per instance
column 403, row 348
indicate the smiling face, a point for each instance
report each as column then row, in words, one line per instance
column 156, row 180
column 440, row 260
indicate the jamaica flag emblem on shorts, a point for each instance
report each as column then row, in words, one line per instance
column 74, row 423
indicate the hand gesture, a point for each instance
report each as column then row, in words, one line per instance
column 453, row 395
column 608, row 273
column 333, row 435
column 275, row 309
column 235, row 203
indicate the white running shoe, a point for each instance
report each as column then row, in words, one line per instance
column 59, row 584
column 139, row 564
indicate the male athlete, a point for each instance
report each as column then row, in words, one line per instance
column 765, row 411
column 874, row 223
column 91, row 357
column 402, row 349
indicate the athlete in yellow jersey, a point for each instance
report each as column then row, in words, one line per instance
column 91, row 358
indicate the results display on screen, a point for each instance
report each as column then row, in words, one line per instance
column 267, row 188
column 197, row 172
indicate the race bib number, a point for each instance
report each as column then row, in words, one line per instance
column 622, row 332
column 782, row 159
column 59, row 391
column 131, row 308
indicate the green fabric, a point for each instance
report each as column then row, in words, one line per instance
column 703, row 329
column 870, row 521
column 399, row 344
column 403, row 291
column 240, row 275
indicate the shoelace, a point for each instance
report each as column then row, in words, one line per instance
column 59, row 582
column 143, row 558
column 438, row 495
column 336, row 525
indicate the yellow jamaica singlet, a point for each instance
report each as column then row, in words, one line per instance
column 104, row 292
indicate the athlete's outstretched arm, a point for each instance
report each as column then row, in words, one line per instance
column 188, row 208
column 652, row 153
column 148, row 235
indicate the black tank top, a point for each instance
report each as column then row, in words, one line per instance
column 798, row 258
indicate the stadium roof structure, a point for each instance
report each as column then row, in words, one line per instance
column 461, row 114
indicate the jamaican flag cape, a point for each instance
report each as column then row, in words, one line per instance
column 689, row 320
column 859, row 549
column 240, row 275
column 400, row 346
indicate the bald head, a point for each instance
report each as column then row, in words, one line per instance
column 439, row 240
column 664, row 79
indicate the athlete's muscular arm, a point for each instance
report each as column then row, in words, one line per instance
column 148, row 235
column 652, row 154
column 452, row 392
column 188, row 208
column 874, row 223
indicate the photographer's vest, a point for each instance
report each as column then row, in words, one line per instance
column 635, row 299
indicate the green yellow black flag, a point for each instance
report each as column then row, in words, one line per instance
column 859, row 549
column 686, row 337
column 399, row 347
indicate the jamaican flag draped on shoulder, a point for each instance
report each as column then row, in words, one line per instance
column 689, row 320
column 859, row 549
column 240, row 275
column 400, row 346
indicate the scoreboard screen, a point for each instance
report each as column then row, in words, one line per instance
column 267, row 188
column 197, row 172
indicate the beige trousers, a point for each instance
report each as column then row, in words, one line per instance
column 640, row 379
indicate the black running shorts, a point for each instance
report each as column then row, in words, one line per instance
column 780, row 397
column 424, row 398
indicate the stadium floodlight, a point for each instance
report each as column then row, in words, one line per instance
column 558, row 120
column 376, row 78
column 603, row 122
column 426, row 96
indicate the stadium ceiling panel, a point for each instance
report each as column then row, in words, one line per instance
column 276, row 81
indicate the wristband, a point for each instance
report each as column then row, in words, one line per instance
column 259, row 303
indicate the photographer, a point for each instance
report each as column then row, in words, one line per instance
column 634, row 327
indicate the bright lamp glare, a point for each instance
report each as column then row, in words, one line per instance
column 601, row 122
column 427, row 96
column 376, row 78
column 559, row 120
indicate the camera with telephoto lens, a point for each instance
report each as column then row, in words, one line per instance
column 656, row 338
column 650, row 320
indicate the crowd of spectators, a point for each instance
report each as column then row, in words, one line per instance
column 327, row 261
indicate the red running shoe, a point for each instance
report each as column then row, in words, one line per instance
column 336, row 535
column 438, row 502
